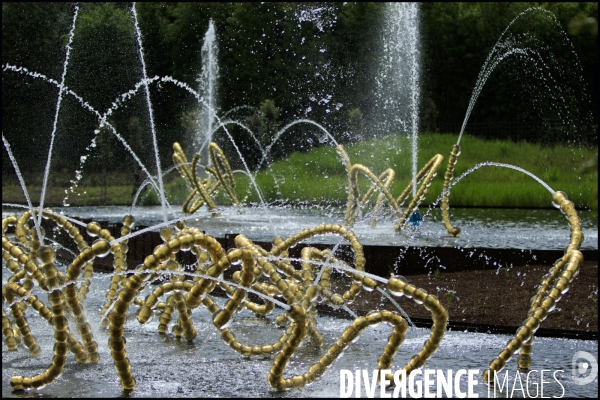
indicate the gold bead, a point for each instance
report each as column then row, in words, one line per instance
column 93, row 229
column 46, row 254
column 100, row 247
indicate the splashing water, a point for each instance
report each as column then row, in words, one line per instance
column 493, row 164
column 151, row 114
column 102, row 119
column 399, row 75
column 159, row 174
column 510, row 166
column 288, row 126
column 208, row 88
column 514, row 45
column 395, row 303
column 54, row 124
column 37, row 223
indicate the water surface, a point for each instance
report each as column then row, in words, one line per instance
column 536, row 229
column 166, row 367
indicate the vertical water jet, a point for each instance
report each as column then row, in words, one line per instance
column 398, row 80
column 207, row 87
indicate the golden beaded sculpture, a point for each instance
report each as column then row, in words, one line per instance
column 262, row 272
column 203, row 190
column 383, row 183
column 553, row 287
column 265, row 273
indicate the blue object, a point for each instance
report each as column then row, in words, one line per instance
column 415, row 219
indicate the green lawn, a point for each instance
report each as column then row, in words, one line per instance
column 319, row 175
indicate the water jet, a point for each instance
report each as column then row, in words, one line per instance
column 89, row 314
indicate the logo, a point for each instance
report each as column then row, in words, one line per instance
column 581, row 368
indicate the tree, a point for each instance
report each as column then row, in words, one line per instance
column 33, row 36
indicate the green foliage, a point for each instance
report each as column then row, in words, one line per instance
column 270, row 111
column 106, row 60
column 148, row 198
column 591, row 168
column 320, row 176
column 177, row 190
column 313, row 61
column 265, row 122
column 458, row 38
column 449, row 297
column 355, row 121
column 32, row 37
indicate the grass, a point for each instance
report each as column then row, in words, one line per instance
column 318, row 176
column 89, row 191
column 449, row 297
column 88, row 195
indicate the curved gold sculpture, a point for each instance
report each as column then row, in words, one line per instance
column 553, row 287
column 203, row 190
column 383, row 183
column 454, row 153
column 49, row 279
column 267, row 273
column 262, row 271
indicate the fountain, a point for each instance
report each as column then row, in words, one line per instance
column 208, row 80
column 263, row 281
column 203, row 189
column 398, row 79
